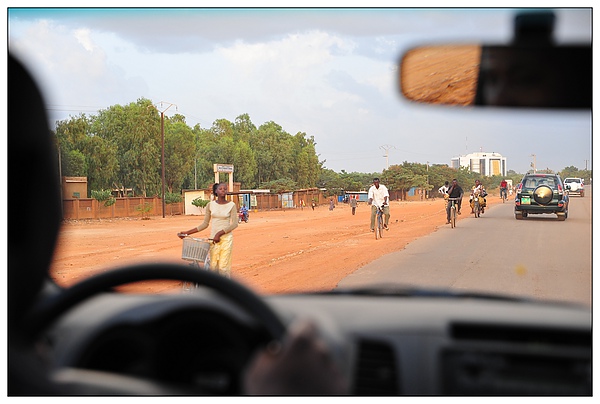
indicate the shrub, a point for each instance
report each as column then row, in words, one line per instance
column 172, row 198
column 200, row 203
column 104, row 196
column 144, row 209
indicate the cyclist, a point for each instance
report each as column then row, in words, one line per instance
column 503, row 188
column 378, row 196
column 455, row 191
column 221, row 215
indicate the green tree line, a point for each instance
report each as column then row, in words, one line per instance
column 120, row 148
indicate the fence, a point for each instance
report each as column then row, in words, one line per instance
column 274, row 202
column 89, row 208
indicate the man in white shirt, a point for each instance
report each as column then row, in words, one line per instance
column 379, row 196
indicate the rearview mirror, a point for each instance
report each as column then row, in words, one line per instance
column 503, row 76
column 530, row 72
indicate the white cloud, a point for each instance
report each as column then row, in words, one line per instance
column 83, row 37
column 74, row 69
column 293, row 57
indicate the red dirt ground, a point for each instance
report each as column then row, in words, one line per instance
column 275, row 252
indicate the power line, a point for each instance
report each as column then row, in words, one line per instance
column 386, row 148
column 74, row 108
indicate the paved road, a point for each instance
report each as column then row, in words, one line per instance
column 537, row 257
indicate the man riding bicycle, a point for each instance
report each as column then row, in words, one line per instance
column 455, row 191
column 378, row 196
column 503, row 189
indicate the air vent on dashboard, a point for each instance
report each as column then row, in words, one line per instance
column 376, row 371
column 516, row 360
column 521, row 334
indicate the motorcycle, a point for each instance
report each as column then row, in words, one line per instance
column 243, row 217
column 478, row 203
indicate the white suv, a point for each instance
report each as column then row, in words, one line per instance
column 574, row 186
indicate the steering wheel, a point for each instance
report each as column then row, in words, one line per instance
column 50, row 309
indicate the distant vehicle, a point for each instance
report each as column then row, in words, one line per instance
column 574, row 186
column 541, row 193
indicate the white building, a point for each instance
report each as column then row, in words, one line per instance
column 487, row 164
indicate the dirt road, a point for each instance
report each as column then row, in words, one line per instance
column 275, row 252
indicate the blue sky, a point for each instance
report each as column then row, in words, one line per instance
column 330, row 73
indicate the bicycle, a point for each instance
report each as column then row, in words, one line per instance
column 453, row 210
column 195, row 250
column 503, row 194
column 379, row 223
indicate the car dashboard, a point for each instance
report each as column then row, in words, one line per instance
column 386, row 345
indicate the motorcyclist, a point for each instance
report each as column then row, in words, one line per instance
column 478, row 191
column 244, row 212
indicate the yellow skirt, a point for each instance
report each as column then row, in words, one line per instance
column 220, row 255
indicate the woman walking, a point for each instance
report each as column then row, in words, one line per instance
column 224, row 220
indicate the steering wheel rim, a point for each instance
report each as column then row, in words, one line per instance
column 49, row 310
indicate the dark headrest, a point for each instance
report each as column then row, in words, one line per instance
column 33, row 194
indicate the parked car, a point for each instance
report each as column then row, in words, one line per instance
column 91, row 339
column 539, row 194
column 574, row 186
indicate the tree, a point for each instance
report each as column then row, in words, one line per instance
column 203, row 174
column 72, row 136
column 244, row 158
column 135, row 131
column 180, row 153
column 281, row 185
column 73, row 164
column 72, row 133
column 305, row 162
column 102, row 163
column 573, row 171
column 331, row 181
column 273, row 152
column 398, row 178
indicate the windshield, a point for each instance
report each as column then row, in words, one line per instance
column 297, row 111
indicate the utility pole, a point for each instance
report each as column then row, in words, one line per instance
column 533, row 164
column 427, row 190
column 386, row 148
column 162, row 137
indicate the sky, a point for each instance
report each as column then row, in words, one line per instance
column 329, row 73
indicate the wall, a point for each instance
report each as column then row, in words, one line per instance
column 189, row 196
column 89, row 208
column 74, row 187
